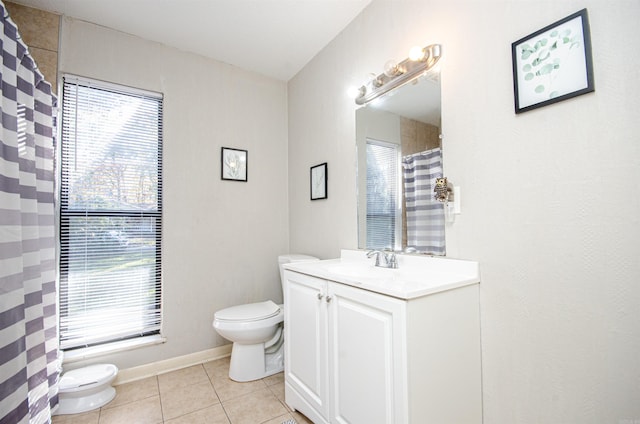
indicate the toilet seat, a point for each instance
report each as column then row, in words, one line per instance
column 249, row 312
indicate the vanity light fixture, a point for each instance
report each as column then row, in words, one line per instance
column 396, row 74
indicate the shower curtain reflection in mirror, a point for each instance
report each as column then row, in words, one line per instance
column 424, row 214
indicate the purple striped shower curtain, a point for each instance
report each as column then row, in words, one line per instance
column 425, row 215
column 28, row 334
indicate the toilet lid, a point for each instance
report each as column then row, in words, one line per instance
column 249, row 312
column 296, row 257
column 86, row 375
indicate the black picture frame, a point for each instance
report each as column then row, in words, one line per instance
column 318, row 181
column 553, row 64
column 234, row 164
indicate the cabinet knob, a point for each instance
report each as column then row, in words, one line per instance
column 320, row 296
column 328, row 299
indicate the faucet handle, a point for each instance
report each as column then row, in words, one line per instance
column 392, row 261
column 377, row 253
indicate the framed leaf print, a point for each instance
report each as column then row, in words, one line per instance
column 553, row 64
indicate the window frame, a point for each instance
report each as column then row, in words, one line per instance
column 65, row 213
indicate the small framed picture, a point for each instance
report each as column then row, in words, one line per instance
column 553, row 64
column 319, row 181
column 234, row 164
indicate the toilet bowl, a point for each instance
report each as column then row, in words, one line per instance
column 86, row 388
column 256, row 330
column 252, row 328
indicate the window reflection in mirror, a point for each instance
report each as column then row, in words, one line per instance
column 397, row 134
column 384, row 196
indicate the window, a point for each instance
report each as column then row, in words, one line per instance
column 384, row 220
column 110, row 213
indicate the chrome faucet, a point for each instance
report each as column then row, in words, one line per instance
column 389, row 259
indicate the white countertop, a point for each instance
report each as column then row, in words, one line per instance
column 416, row 276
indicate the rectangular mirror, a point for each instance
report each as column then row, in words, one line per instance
column 398, row 139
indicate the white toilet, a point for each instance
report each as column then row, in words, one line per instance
column 256, row 332
column 86, row 388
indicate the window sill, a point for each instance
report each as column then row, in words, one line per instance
column 108, row 348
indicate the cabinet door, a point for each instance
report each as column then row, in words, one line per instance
column 306, row 368
column 366, row 356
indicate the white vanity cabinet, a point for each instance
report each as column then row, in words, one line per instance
column 344, row 349
column 359, row 357
column 306, row 353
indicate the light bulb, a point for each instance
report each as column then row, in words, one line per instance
column 391, row 68
column 355, row 92
column 416, row 53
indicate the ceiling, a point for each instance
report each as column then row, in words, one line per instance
column 276, row 38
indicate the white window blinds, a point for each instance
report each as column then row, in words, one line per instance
column 384, row 220
column 110, row 213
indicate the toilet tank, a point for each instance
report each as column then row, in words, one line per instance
column 290, row 258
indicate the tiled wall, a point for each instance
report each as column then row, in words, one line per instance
column 417, row 136
column 40, row 31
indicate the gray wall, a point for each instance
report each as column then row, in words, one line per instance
column 221, row 239
column 550, row 198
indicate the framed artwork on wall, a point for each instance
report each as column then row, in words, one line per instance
column 318, row 180
column 234, row 164
column 553, row 64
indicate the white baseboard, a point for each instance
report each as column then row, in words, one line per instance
column 160, row 367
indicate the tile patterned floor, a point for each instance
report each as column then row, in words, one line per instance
column 201, row 394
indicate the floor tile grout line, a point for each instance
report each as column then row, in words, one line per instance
column 226, row 414
column 160, row 399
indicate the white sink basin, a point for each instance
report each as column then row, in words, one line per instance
column 357, row 269
column 367, row 271
column 415, row 276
